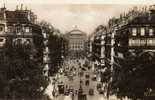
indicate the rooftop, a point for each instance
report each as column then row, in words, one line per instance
column 18, row 15
column 76, row 31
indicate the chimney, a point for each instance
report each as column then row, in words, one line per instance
column 151, row 12
column 21, row 7
column 152, row 9
column 3, row 8
column 17, row 7
column 25, row 7
column 4, row 5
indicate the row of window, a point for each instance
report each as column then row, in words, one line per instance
column 16, row 41
column 22, row 41
column 77, row 42
column 141, row 42
column 142, row 31
column 76, row 46
column 16, row 29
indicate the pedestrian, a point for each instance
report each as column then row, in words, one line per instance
column 66, row 87
column 76, row 92
column 53, row 93
column 73, row 95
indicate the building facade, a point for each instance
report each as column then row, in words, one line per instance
column 127, row 38
column 76, row 43
column 137, row 37
column 99, row 45
column 101, row 51
column 20, row 27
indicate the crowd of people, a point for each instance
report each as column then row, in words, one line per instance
column 74, row 72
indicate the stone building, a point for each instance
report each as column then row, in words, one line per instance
column 136, row 36
column 20, row 26
column 76, row 43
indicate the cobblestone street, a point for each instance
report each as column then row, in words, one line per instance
column 77, row 74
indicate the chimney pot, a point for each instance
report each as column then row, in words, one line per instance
column 21, row 7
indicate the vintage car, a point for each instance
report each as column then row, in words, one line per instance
column 87, row 82
column 61, row 88
column 87, row 76
column 91, row 91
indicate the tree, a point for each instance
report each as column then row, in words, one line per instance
column 20, row 77
column 57, row 45
column 135, row 77
column 58, row 50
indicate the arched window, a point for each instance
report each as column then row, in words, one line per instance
column 17, row 41
column 28, row 41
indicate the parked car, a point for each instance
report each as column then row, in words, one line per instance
column 94, row 78
column 81, row 73
column 61, row 88
column 74, row 73
column 71, row 89
column 87, row 76
column 84, row 69
column 91, row 91
column 82, row 97
column 87, row 82
column 66, row 92
column 98, row 86
column 101, row 91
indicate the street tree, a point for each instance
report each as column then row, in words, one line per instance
column 20, row 76
column 135, row 77
column 57, row 45
column 58, row 51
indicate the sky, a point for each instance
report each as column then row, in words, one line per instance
column 66, row 15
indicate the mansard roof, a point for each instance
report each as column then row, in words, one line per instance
column 148, row 18
column 17, row 17
column 76, row 31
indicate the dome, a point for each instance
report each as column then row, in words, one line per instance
column 76, row 31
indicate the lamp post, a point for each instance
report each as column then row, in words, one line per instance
column 62, row 49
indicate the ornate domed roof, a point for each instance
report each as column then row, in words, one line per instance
column 76, row 31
